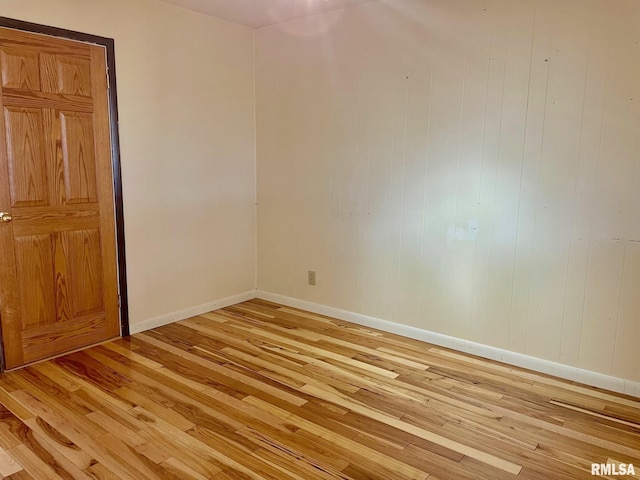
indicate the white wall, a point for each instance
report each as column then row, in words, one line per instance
column 466, row 167
column 469, row 168
column 186, row 103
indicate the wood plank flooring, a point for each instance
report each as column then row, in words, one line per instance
column 258, row 390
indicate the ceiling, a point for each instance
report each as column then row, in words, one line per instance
column 261, row 13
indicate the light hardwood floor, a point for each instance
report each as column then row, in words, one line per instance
column 258, row 390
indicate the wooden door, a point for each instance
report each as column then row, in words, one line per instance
column 58, row 270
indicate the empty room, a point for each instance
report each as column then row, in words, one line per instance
column 319, row 239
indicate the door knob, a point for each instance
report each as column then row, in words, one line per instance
column 5, row 217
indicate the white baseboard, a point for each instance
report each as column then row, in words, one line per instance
column 190, row 312
column 512, row 358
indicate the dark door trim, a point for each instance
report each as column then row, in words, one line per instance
column 108, row 43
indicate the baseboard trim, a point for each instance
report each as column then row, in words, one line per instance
column 566, row 372
column 191, row 312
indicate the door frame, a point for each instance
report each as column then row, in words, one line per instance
column 108, row 43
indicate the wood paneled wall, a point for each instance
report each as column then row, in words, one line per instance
column 466, row 167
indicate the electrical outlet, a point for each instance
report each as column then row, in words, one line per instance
column 312, row 277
